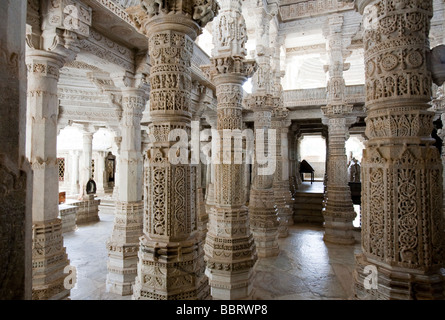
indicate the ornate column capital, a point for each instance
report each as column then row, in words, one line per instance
column 280, row 114
column 63, row 24
column 230, row 69
column 260, row 102
column 188, row 17
column 337, row 110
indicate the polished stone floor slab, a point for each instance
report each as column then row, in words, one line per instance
column 306, row 269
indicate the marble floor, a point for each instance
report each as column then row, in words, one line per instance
column 306, row 269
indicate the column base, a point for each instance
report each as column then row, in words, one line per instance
column 233, row 286
column 392, row 283
column 264, row 222
column 338, row 231
column 170, row 271
column 122, row 268
column 338, row 217
column 283, row 192
column 284, row 214
column 49, row 260
column 123, row 247
column 230, row 253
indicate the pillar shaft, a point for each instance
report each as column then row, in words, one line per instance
column 402, row 219
column 282, row 194
column 49, row 255
column 74, row 178
column 86, row 161
column 101, row 172
column 262, row 208
column 229, row 250
column 117, row 142
column 168, row 266
column 123, row 244
column 338, row 209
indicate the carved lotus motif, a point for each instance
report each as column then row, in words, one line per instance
column 389, row 62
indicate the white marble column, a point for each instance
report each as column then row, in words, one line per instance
column 74, row 177
column 85, row 160
column 116, row 152
column 101, row 172
column 49, row 255
column 51, row 42
column 210, row 190
column 264, row 221
column 294, row 173
column 282, row 195
column 338, row 212
column 123, row 244
column 168, row 266
column 230, row 248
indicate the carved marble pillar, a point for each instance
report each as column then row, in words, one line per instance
column 116, row 152
column 101, row 173
column 74, row 179
column 402, row 219
column 283, row 196
column 263, row 211
column 51, row 41
column 294, row 171
column 49, row 255
column 288, row 198
column 15, row 172
column 230, row 249
column 168, row 266
column 202, row 215
column 123, row 244
column 338, row 209
column 210, row 190
column 85, row 161
column 247, row 172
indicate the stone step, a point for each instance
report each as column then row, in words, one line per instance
column 308, row 205
column 308, row 208
column 107, row 205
